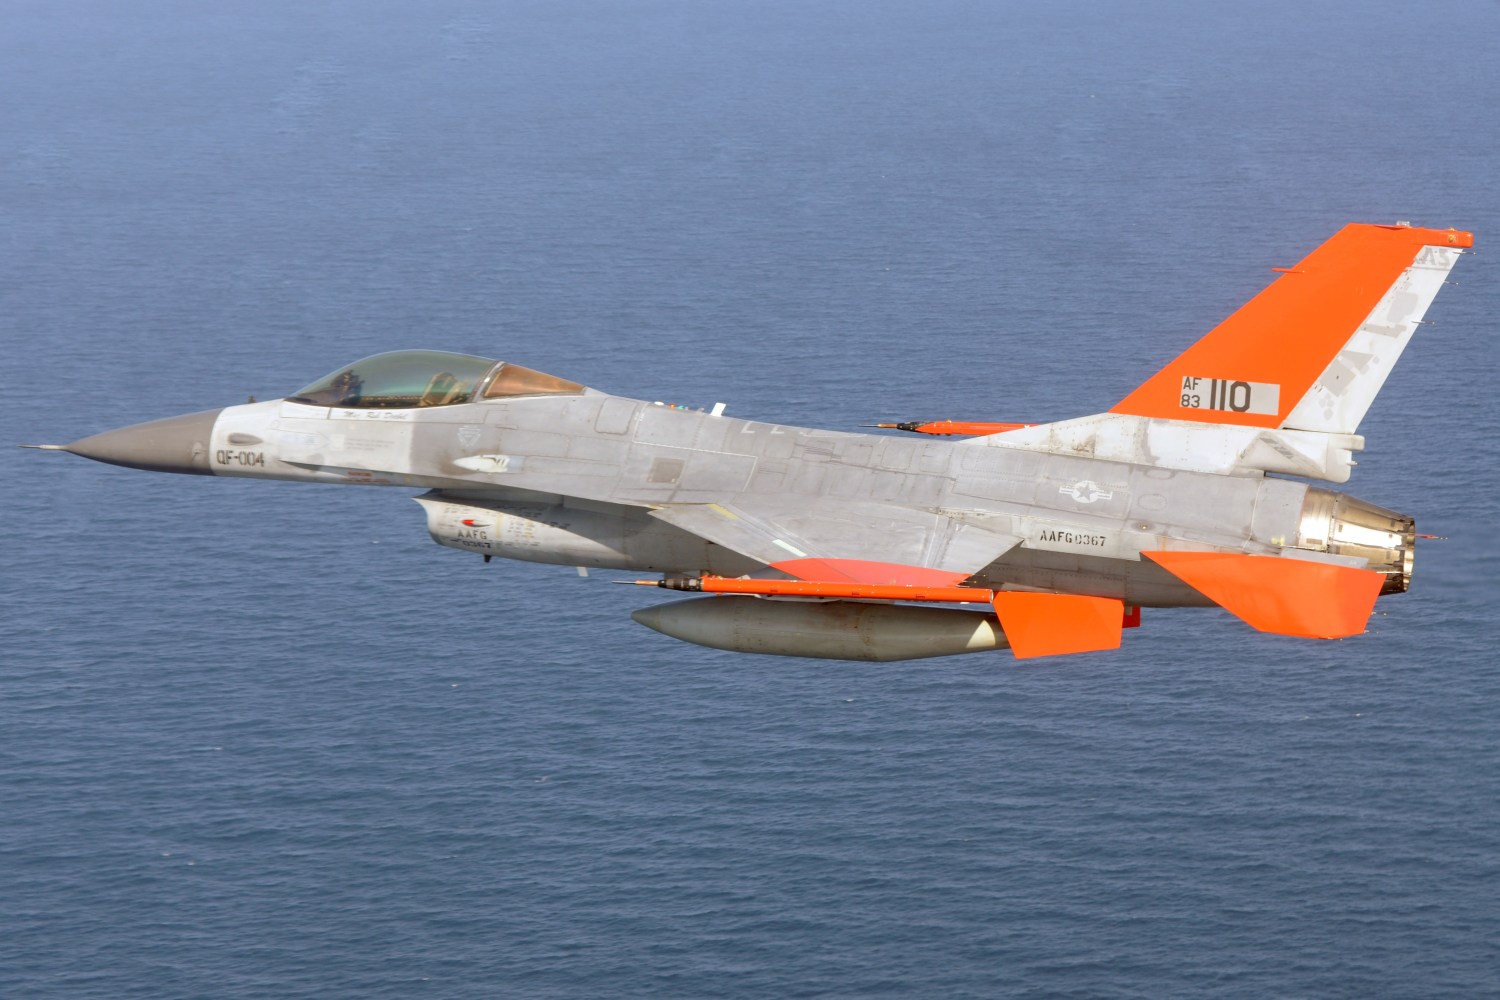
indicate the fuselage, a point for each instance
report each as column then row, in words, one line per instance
column 574, row 480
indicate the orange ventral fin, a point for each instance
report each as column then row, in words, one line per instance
column 1284, row 596
column 1255, row 367
column 867, row 572
column 1053, row 624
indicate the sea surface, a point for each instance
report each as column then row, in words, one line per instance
column 265, row 740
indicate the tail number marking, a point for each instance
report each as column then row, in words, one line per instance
column 1230, row 396
column 1072, row 538
column 244, row 459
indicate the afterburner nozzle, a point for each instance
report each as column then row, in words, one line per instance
column 176, row 444
column 1347, row 526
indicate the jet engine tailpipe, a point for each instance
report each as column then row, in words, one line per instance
column 1342, row 525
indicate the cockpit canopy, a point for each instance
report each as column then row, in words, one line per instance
column 411, row 379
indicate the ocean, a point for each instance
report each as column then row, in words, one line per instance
column 265, row 740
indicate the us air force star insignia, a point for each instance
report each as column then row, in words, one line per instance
column 1085, row 491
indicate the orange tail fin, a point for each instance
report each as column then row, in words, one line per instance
column 1312, row 350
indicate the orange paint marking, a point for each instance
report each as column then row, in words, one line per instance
column 864, row 571
column 1283, row 596
column 971, row 427
column 1054, row 624
column 1287, row 334
column 856, row 591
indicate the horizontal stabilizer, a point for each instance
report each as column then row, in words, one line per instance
column 1054, row 624
column 1284, row 596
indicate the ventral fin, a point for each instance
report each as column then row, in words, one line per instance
column 1279, row 595
column 1054, row 624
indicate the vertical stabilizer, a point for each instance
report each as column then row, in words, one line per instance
column 1311, row 351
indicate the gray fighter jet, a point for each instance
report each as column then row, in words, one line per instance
column 849, row 545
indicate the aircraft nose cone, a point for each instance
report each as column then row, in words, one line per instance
column 176, row 444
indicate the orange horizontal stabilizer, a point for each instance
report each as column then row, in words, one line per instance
column 1285, row 596
column 865, row 571
column 1053, row 624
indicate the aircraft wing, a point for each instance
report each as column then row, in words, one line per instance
column 828, row 540
column 838, row 542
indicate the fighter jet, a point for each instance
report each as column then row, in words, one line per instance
column 1191, row 491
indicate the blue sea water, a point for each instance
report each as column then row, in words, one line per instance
column 266, row 740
